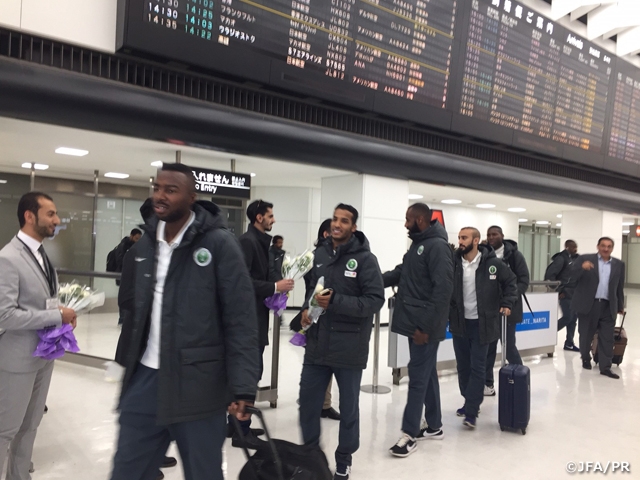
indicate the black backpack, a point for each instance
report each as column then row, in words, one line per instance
column 112, row 262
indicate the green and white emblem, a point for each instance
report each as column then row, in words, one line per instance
column 493, row 269
column 202, row 257
column 420, row 249
column 352, row 264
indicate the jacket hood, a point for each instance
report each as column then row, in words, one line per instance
column 207, row 218
column 510, row 246
column 565, row 252
column 557, row 255
column 357, row 243
column 436, row 230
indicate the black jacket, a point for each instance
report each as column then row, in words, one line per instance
column 425, row 284
column 209, row 338
column 518, row 265
column 495, row 288
column 125, row 244
column 587, row 285
column 255, row 246
column 126, row 304
column 341, row 336
column 560, row 269
column 276, row 257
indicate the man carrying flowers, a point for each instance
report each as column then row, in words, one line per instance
column 338, row 343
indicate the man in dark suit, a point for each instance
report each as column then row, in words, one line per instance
column 255, row 244
column 598, row 298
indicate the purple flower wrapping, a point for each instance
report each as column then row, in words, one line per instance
column 299, row 339
column 277, row 302
column 54, row 342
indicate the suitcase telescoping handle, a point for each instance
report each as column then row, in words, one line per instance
column 619, row 336
column 504, row 340
column 274, row 451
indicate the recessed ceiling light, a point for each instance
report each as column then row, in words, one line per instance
column 516, row 209
column 627, row 224
column 559, row 215
column 116, row 175
column 37, row 166
column 542, row 222
column 558, row 224
column 74, row 152
column 415, row 196
column 451, row 201
column 521, row 220
column 3, row 181
column 253, row 174
column 625, row 231
column 485, row 205
column 156, row 164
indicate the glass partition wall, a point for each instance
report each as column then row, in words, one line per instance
column 538, row 245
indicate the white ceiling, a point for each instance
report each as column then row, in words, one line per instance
column 22, row 142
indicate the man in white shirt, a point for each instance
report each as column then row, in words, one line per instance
column 483, row 289
column 194, row 340
column 28, row 303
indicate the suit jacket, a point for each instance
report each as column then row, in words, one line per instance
column 23, row 297
column 587, row 284
column 255, row 247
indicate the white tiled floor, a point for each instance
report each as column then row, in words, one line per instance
column 577, row 415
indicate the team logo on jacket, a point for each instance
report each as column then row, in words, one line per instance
column 202, row 257
column 352, row 264
column 420, row 249
column 493, row 269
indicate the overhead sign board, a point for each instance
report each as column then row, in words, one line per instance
column 222, row 184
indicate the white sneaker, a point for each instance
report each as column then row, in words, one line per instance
column 404, row 447
column 427, row 434
column 489, row 391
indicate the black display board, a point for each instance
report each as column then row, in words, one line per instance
column 222, row 184
column 493, row 69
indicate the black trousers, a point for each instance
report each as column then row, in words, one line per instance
column 598, row 320
column 142, row 443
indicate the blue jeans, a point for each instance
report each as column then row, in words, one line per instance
column 142, row 443
column 569, row 319
column 424, row 389
column 313, row 385
column 471, row 357
column 513, row 356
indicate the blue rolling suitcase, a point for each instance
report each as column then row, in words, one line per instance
column 514, row 395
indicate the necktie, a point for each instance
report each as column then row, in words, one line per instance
column 48, row 270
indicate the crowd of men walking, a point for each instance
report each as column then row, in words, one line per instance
column 195, row 325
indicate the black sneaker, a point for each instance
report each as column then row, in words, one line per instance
column 427, row 433
column 570, row 347
column 586, row 364
column 331, row 413
column 404, row 447
column 342, row 472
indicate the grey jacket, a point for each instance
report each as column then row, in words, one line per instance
column 425, row 284
column 24, row 292
column 587, row 285
column 209, row 334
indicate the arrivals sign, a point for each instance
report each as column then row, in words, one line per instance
column 222, row 184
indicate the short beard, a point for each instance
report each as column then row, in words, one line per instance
column 43, row 231
column 414, row 228
column 465, row 250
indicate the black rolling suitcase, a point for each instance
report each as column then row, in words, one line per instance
column 514, row 395
column 282, row 460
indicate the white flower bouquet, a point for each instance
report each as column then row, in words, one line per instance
column 292, row 269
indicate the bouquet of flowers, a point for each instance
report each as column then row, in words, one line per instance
column 315, row 310
column 54, row 342
column 292, row 269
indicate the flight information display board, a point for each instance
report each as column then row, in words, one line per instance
column 493, row 69
column 625, row 118
column 524, row 72
column 400, row 47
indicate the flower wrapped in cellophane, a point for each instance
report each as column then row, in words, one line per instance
column 292, row 269
column 54, row 342
column 315, row 310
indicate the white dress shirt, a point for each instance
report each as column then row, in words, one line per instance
column 469, row 287
column 500, row 252
column 33, row 245
column 604, row 274
column 164, row 252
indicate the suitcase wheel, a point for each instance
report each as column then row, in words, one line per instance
column 501, row 428
column 524, row 431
